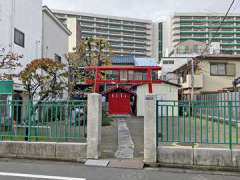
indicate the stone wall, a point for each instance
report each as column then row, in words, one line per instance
column 216, row 158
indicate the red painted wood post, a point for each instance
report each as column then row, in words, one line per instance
column 98, row 78
column 149, row 78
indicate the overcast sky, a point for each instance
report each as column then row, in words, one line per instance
column 146, row 9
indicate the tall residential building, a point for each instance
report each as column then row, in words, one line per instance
column 127, row 36
column 204, row 27
column 161, row 39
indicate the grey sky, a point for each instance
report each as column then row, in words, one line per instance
column 147, row 9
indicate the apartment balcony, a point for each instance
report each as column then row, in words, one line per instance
column 115, row 39
column 86, row 26
column 141, row 48
column 86, row 20
column 87, row 32
column 128, row 41
column 116, row 45
column 198, row 81
column 128, row 35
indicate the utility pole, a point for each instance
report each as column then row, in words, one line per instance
column 192, row 79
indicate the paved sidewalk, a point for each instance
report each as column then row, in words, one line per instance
column 76, row 170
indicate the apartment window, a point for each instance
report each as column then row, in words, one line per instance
column 101, row 19
column 199, row 24
column 127, row 28
column 87, row 18
column 128, row 34
column 115, row 32
column 186, row 29
column 227, row 41
column 140, row 34
column 226, row 52
column 199, row 17
column 115, row 27
column 86, row 24
column 168, row 62
column 19, row 38
column 186, row 23
column 140, row 24
column 222, row 69
column 140, row 29
column 114, row 21
column 227, row 35
column 58, row 58
column 87, row 29
column 185, row 17
column 116, row 44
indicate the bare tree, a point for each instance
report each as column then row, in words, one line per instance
column 8, row 61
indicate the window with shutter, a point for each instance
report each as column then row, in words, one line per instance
column 222, row 69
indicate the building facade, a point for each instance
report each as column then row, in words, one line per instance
column 212, row 73
column 54, row 40
column 205, row 28
column 127, row 36
column 21, row 28
column 54, row 37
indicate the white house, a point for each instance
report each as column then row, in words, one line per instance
column 21, row 30
column 164, row 91
column 54, row 37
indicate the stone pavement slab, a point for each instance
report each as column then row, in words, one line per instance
column 125, row 142
column 101, row 163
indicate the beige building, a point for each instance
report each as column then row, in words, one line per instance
column 212, row 73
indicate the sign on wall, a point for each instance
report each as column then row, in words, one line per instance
column 6, row 87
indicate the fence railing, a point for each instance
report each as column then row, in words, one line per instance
column 55, row 121
column 203, row 122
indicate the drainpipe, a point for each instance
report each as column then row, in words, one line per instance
column 12, row 14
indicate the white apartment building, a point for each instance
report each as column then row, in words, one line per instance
column 127, row 36
column 21, row 30
column 203, row 27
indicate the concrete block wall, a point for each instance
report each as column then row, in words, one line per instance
column 43, row 150
column 216, row 158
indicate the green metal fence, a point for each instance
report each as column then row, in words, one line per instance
column 55, row 121
column 203, row 122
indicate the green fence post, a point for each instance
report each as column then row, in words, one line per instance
column 157, row 133
column 230, row 123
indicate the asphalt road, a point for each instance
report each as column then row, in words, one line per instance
column 38, row 170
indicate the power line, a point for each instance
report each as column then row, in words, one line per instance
column 236, row 6
column 219, row 27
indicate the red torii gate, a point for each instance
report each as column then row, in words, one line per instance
column 98, row 80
